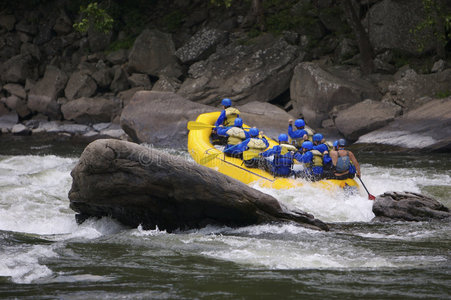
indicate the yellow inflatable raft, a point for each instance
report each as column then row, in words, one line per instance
column 203, row 152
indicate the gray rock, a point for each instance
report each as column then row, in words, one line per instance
column 118, row 57
column 19, row 68
column 63, row 24
column 438, row 66
column 101, row 126
column 7, row 121
column 408, row 206
column 18, row 105
column 103, row 77
column 90, row 110
column 390, row 22
column 410, row 86
column 120, row 81
column 98, row 41
column 114, row 133
column 20, row 129
column 74, row 128
column 127, row 95
column 30, row 49
column 266, row 117
column 315, row 90
column 15, row 89
column 7, row 22
column 138, row 79
column 426, row 128
column 160, row 118
column 200, row 45
column 364, row 117
column 346, row 49
column 44, row 94
column 258, row 71
column 152, row 52
column 24, row 26
column 80, row 84
column 138, row 185
column 166, row 84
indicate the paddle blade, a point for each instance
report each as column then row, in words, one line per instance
column 371, row 197
column 193, row 125
column 208, row 158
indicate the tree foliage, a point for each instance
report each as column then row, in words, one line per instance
column 94, row 16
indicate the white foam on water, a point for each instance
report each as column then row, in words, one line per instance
column 22, row 265
column 33, row 194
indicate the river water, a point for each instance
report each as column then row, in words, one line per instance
column 44, row 254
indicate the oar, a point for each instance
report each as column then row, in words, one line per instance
column 193, row 125
column 370, row 197
column 208, row 158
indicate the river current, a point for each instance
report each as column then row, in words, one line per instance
column 44, row 254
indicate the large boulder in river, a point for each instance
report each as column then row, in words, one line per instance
column 351, row 123
column 408, row 206
column 427, row 128
column 91, row 110
column 143, row 186
column 160, row 118
column 44, row 94
column 258, row 71
column 19, row 68
column 315, row 90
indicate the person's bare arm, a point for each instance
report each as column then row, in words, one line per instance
column 334, row 156
column 355, row 162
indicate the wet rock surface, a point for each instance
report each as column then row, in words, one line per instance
column 407, row 206
column 139, row 185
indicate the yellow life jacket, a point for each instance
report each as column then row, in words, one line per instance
column 236, row 135
column 231, row 114
column 329, row 145
column 255, row 146
column 297, row 142
column 317, row 158
column 286, row 148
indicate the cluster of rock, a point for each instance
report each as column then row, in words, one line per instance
column 46, row 72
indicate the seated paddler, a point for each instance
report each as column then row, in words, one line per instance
column 234, row 134
column 283, row 154
column 254, row 146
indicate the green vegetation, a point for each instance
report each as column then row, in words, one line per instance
column 94, row 16
column 126, row 43
column 443, row 94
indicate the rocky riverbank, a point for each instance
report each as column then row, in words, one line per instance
column 54, row 79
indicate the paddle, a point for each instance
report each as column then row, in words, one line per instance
column 193, row 125
column 209, row 157
column 370, row 197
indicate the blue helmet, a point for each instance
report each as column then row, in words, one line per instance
column 317, row 137
column 253, row 132
column 238, row 122
column 341, row 142
column 299, row 123
column 283, row 137
column 226, row 102
column 307, row 145
column 335, row 144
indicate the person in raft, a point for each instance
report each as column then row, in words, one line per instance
column 235, row 134
column 299, row 135
column 319, row 143
column 344, row 162
column 253, row 144
column 226, row 118
column 312, row 160
column 282, row 163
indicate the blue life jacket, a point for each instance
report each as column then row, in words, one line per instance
column 343, row 163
